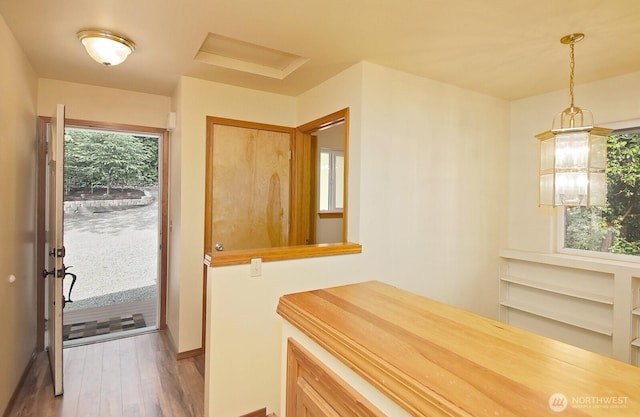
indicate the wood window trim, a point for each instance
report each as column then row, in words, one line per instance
column 238, row 257
column 330, row 214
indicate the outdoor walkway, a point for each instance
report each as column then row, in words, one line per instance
column 113, row 253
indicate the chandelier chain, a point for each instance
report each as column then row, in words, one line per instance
column 571, row 67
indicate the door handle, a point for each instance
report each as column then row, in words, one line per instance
column 219, row 247
column 73, row 282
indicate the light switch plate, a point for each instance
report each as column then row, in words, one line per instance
column 256, row 267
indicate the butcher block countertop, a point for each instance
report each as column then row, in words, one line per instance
column 433, row 359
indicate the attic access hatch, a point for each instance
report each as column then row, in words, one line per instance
column 243, row 56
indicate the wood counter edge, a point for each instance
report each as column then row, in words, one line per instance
column 394, row 383
column 244, row 256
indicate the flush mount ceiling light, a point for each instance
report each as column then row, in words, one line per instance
column 105, row 47
column 573, row 154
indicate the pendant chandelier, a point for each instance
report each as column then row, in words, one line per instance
column 573, row 154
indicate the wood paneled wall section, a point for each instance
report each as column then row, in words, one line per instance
column 226, row 127
column 250, row 189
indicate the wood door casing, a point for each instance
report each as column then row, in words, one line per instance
column 302, row 190
column 308, row 143
column 250, row 188
column 163, row 135
column 301, row 239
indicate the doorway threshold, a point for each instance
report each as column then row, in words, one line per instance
column 109, row 336
column 90, row 325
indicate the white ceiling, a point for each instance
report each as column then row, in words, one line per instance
column 505, row 48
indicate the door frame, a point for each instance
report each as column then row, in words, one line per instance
column 41, row 172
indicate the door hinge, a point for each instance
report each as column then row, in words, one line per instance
column 58, row 253
column 57, row 273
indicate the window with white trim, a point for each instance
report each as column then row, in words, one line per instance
column 331, row 195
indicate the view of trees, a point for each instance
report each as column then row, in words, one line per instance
column 108, row 159
column 616, row 227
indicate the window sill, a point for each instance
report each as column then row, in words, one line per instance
column 330, row 215
column 239, row 257
column 571, row 261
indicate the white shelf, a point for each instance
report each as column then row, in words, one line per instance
column 578, row 299
column 570, row 292
column 559, row 317
column 609, row 266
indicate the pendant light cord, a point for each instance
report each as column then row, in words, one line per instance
column 571, row 67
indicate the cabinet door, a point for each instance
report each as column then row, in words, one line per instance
column 309, row 403
column 313, row 390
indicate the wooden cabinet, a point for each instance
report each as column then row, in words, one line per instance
column 426, row 358
column 309, row 403
column 313, row 390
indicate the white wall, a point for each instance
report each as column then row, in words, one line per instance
column 408, row 137
column 194, row 100
column 102, row 104
column 329, row 230
column 434, row 186
column 18, row 96
column 531, row 227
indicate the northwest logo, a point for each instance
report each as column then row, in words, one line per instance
column 558, row 402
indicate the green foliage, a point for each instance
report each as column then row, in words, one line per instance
column 616, row 227
column 628, row 248
column 583, row 228
column 94, row 158
column 623, row 186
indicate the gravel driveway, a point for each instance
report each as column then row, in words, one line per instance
column 113, row 253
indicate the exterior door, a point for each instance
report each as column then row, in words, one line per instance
column 55, row 245
column 250, row 188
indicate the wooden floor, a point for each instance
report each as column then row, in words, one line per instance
column 129, row 377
